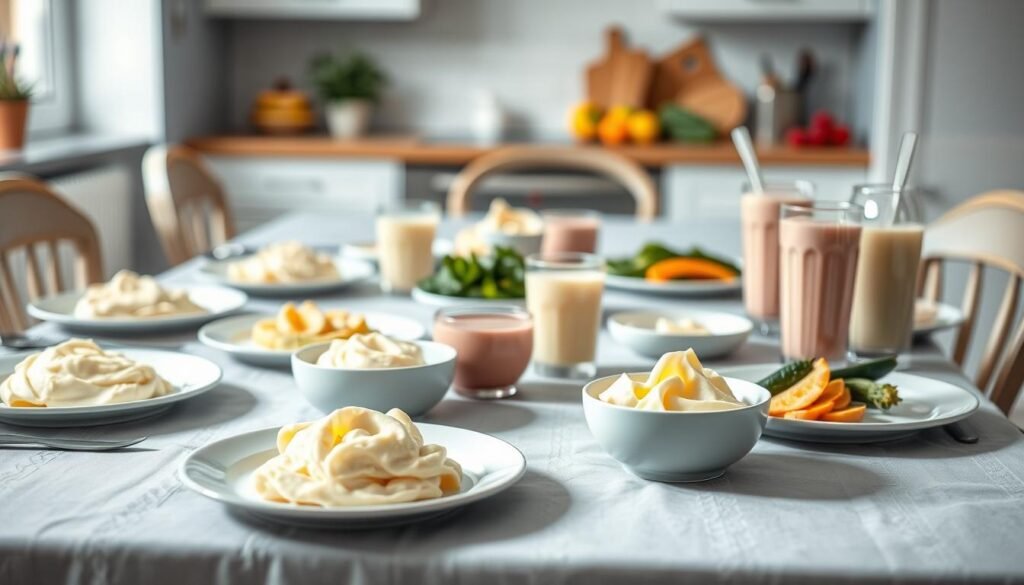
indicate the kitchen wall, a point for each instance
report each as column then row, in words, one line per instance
column 531, row 53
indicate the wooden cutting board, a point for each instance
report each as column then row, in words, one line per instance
column 688, row 76
column 621, row 77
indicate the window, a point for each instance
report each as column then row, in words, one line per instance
column 42, row 32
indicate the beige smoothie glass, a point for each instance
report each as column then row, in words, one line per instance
column 494, row 345
column 405, row 239
column 818, row 249
column 882, row 317
column 563, row 294
column 759, row 218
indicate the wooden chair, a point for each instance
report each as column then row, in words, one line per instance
column 598, row 160
column 186, row 203
column 986, row 231
column 34, row 220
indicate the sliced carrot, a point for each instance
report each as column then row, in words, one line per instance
column 843, row 400
column 687, row 268
column 804, row 393
column 855, row 413
column 816, row 411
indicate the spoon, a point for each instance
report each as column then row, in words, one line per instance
column 903, row 160
column 745, row 148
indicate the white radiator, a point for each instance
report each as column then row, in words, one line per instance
column 104, row 194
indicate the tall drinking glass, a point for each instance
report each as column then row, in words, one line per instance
column 759, row 217
column 882, row 317
column 563, row 294
column 405, row 238
column 570, row 230
column 818, row 247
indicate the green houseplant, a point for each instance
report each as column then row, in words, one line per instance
column 14, row 101
column 349, row 87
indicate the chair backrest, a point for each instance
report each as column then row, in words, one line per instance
column 186, row 203
column 985, row 231
column 34, row 220
column 515, row 158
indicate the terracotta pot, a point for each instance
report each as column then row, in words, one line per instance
column 13, row 116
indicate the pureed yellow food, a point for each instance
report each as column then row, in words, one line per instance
column 356, row 457
column 678, row 383
column 79, row 373
column 284, row 262
column 129, row 295
column 306, row 324
column 371, row 351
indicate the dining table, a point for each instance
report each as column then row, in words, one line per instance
column 921, row 509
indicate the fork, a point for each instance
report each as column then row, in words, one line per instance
column 7, row 439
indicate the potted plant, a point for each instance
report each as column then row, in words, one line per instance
column 14, row 98
column 349, row 88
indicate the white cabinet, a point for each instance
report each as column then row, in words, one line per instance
column 262, row 188
column 316, row 9
column 707, row 192
column 762, row 10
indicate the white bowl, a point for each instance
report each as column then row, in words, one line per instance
column 635, row 330
column 525, row 244
column 677, row 446
column 435, row 300
column 414, row 389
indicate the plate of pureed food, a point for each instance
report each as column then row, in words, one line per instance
column 932, row 317
column 78, row 383
column 496, row 278
column 288, row 269
column 269, row 340
column 130, row 303
column 861, row 403
column 381, row 470
column 658, row 269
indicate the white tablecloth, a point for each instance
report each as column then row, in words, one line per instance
column 925, row 509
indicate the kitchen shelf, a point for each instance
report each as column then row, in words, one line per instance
column 769, row 10
column 321, row 10
column 415, row 151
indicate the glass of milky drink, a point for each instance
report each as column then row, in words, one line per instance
column 405, row 238
column 563, row 294
column 882, row 318
column 570, row 230
column 759, row 217
column 818, row 248
column 494, row 345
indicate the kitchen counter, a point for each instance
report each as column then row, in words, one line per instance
column 425, row 152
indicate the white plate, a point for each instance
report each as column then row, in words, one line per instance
column 222, row 470
column 218, row 301
column 232, row 335
column 427, row 298
column 190, row 375
column 352, row 272
column 635, row 330
column 926, row 403
column 367, row 251
column 947, row 317
column 675, row 288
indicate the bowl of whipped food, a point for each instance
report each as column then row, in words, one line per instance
column 373, row 370
column 680, row 422
column 521, row 229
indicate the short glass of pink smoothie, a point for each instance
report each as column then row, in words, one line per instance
column 494, row 346
column 818, row 249
column 570, row 230
column 759, row 219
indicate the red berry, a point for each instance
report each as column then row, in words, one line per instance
column 817, row 136
column 840, row 135
column 796, row 136
column 822, row 120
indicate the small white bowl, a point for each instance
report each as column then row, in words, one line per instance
column 525, row 244
column 677, row 446
column 635, row 330
column 414, row 389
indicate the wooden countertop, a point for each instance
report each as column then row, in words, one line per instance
column 416, row 151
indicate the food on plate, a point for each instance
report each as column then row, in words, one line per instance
column 925, row 312
column 371, row 351
column 657, row 263
column 684, row 326
column 356, row 457
column 811, row 390
column 501, row 219
column 500, row 275
column 79, row 373
column 678, row 383
column 282, row 263
column 128, row 295
column 306, row 324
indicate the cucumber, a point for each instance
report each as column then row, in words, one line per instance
column 869, row 370
column 685, row 126
column 786, row 376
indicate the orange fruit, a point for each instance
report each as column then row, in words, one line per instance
column 583, row 121
column 814, row 412
column 613, row 130
column 855, row 413
column 843, row 400
column 644, row 127
column 833, row 391
column 804, row 393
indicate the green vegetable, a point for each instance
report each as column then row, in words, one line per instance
column 653, row 252
column 872, row 393
column 871, row 369
column 685, row 126
column 499, row 276
column 786, row 376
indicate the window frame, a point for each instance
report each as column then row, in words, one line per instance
column 55, row 114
